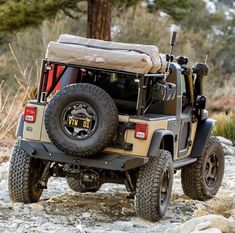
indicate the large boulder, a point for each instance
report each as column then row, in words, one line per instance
column 206, row 224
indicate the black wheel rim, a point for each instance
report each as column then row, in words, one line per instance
column 211, row 170
column 83, row 113
column 164, row 188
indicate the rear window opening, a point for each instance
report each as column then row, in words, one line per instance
column 122, row 88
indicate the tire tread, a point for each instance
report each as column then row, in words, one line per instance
column 19, row 177
column 111, row 114
column 147, row 188
column 192, row 175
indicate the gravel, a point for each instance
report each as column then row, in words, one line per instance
column 108, row 210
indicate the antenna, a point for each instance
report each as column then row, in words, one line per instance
column 173, row 38
column 172, row 43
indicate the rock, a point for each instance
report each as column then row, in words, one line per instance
column 4, row 192
column 123, row 225
column 225, row 141
column 99, row 231
column 86, row 215
column 4, row 170
column 205, row 224
column 80, row 228
column 210, row 230
column 232, row 212
column 228, row 150
column 126, row 211
column 36, row 207
column 227, row 145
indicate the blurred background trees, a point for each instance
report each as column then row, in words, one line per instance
column 206, row 27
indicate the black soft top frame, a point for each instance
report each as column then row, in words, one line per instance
column 45, row 68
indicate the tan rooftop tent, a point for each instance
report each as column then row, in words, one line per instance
column 135, row 58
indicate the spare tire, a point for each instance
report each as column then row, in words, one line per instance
column 81, row 119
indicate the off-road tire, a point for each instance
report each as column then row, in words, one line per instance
column 193, row 176
column 107, row 119
column 23, row 175
column 76, row 186
column 148, row 187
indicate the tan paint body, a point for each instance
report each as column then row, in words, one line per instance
column 192, row 136
column 141, row 147
column 37, row 132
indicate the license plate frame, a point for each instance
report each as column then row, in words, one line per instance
column 79, row 122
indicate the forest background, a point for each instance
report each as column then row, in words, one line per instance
column 205, row 27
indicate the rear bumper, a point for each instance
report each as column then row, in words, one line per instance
column 116, row 162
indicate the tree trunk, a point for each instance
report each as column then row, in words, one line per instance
column 99, row 19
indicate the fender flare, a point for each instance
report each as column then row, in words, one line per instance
column 157, row 138
column 203, row 132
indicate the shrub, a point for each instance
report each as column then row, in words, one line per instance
column 225, row 126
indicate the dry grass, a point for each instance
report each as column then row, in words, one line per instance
column 224, row 206
column 225, row 126
column 10, row 109
column 11, row 106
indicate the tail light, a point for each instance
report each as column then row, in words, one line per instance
column 141, row 130
column 30, row 113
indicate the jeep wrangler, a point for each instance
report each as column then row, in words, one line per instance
column 110, row 112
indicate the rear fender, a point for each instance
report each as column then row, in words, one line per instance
column 203, row 132
column 161, row 139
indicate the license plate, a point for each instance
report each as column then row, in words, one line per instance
column 79, row 122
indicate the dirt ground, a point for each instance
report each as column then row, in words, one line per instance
column 108, row 210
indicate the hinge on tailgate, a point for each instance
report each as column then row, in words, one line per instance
column 120, row 142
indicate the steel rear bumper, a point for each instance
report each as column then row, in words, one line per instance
column 116, row 162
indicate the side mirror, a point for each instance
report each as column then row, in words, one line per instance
column 173, row 38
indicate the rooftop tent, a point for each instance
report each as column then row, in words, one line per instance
column 134, row 58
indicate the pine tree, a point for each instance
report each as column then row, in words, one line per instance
column 19, row 14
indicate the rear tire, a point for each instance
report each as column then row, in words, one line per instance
column 154, row 186
column 76, row 186
column 202, row 179
column 75, row 103
column 24, row 174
